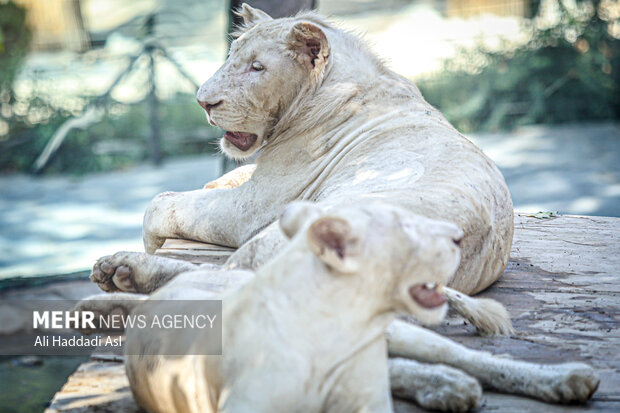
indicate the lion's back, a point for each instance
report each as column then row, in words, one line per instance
column 435, row 172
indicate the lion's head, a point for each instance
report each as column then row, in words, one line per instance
column 269, row 63
column 402, row 257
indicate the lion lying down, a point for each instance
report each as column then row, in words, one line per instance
column 307, row 333
column 336, row 127
column 333, row 125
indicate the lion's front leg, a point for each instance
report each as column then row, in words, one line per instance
column 165, row 217
column 218, row 216
column 559, row 383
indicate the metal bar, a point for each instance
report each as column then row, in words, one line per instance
column 177, row 66
column 155, row 138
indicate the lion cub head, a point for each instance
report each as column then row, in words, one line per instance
column 400, row 259
column 269, row 64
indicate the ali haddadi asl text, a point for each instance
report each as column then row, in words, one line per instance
column 59, row 341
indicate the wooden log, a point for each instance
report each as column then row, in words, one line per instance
column 99, row 386
column 195, row 252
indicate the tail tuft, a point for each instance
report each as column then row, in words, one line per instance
column 488, row 316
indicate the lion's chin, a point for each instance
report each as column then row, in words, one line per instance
column 430, row 316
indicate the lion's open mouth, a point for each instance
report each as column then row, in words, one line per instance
column 427, row 295
column 241, row 140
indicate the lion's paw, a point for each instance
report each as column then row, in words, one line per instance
column 455, row 391
column 434, row 386
column 117, row 272
column 566, row 383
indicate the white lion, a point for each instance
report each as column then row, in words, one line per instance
column 307, row 332
column 336, row 127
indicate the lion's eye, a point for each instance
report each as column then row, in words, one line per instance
column 257, row 66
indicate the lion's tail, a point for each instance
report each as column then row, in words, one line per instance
column 487, row 315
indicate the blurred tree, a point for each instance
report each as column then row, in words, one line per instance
column 115, row 142
column 14, row 42
column 567, row 72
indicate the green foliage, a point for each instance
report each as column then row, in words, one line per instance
column 566, row 73
column 14, row 42
column 117, row 141
column 120, row 139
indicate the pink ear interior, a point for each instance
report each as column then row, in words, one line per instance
column 334, row 242
column 311, row 44
column 332, row 234
column 313, row 48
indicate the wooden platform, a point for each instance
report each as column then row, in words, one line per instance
column 562, row 288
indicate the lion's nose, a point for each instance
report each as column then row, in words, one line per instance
column 208, row 106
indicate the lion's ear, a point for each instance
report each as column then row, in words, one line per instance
column 332, row 240
column 310, row 44
column 250, row 15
